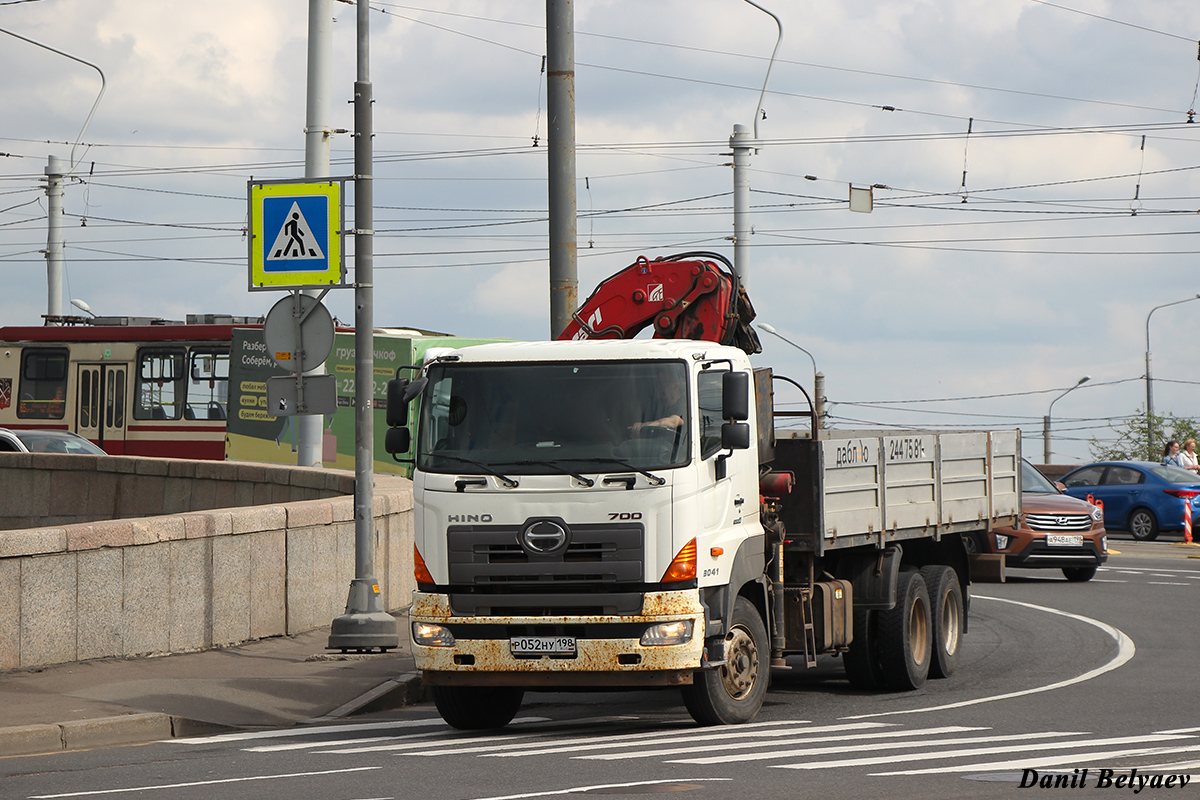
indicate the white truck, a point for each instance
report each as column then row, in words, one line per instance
column 625, row 514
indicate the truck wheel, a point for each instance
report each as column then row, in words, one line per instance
column 862, row 659
column 473, row 708
column 1079, row 574
column 1143, row 525
column 905, row 636
column 734, row 693
column 946, row 614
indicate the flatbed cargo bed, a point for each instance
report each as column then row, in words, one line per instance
column 856, row 488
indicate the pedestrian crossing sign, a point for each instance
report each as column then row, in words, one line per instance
column 295, row 234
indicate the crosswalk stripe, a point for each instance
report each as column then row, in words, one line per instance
column 645, row 739
column 857, row 737
column 872, row 746
column 1056, row 761
column 866, row 762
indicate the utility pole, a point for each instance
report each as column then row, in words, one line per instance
column 54, row 237
column 365, row 625
column 742, row 147
column 310, row 427
column 560, row 143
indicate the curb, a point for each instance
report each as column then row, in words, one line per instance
column 144, row 728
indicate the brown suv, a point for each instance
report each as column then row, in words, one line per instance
column 1055, row 531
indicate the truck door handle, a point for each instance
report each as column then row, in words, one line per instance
column 739, row 501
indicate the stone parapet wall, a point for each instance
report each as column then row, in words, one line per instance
column 196, row 555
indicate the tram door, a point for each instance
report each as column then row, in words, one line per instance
column 100, row 404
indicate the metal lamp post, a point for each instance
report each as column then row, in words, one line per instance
column 1049, row 411
column 1150, row 380
column 818, row 378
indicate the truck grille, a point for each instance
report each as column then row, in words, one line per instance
column 1054, row 523
column 491, row 573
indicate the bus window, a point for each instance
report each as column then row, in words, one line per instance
column 43, row 389
column 160, row 388
column 208, row 391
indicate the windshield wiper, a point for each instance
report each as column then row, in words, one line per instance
column 655, row 479
column 528, row 462
column 509, row 482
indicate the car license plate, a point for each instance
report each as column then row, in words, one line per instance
column 542, row 645
column 1063, row 540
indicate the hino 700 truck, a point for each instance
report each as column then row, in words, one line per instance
column 604, row 511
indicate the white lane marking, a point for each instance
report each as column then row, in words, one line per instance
column 1180, row 730
column 1016, row 748
column 599, row 788
column 384, row 748
column 1136, row 571
column 276, row 748
column 655, row 738
column 726, row 746
column 362, row 726
column 1125, row 651
column 1166, row 583
column 154, row 787
column 1104, row 580
column 469, row 740
column 1058, row 760
column 876, row 746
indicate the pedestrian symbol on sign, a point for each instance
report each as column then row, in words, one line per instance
column 295, row 240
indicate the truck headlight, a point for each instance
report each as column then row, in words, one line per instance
column 1001, row 541
column 665, row 633
column 431, row 635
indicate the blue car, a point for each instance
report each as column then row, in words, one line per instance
column 1138, row 496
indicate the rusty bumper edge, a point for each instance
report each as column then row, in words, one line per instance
column 558, row 680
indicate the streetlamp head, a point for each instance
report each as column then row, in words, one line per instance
column 769, row 328
column 1084, row 380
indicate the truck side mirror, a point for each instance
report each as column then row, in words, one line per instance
column 735, row 436
column 400, row 392
column 397, row 407
column 397, row 440
column 735, row 396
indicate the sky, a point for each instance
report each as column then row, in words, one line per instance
column 1034, row 167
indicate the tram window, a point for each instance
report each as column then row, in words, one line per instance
column 208, row 389
column 160, row 388
column 43, row 388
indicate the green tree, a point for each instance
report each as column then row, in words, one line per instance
column 1131, row 442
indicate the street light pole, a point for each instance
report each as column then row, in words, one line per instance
column 818, row 379
column 1149, row 378
column 1049, row 411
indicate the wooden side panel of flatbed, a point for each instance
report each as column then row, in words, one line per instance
column 859, row 488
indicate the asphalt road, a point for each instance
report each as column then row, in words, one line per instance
column 1055, row 677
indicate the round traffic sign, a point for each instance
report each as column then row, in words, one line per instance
column 298, row 346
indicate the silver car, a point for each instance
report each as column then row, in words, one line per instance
column 46, row 441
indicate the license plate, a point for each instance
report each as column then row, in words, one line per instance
column 542, row 645
column 1063, row 540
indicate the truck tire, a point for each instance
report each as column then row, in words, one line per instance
column 862, row 659
column 474, row 708
column 734, row 693
column 905, row 635
column 946, row 614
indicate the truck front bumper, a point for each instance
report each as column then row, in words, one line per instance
column 608, row 649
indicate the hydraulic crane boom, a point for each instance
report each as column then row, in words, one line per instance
column 684, row 296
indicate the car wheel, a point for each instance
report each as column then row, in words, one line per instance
column 1143, row 526
column 1079, row 574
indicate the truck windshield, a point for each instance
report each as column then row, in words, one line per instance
column 545, row 418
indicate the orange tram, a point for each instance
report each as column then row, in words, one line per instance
column 133, row 386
